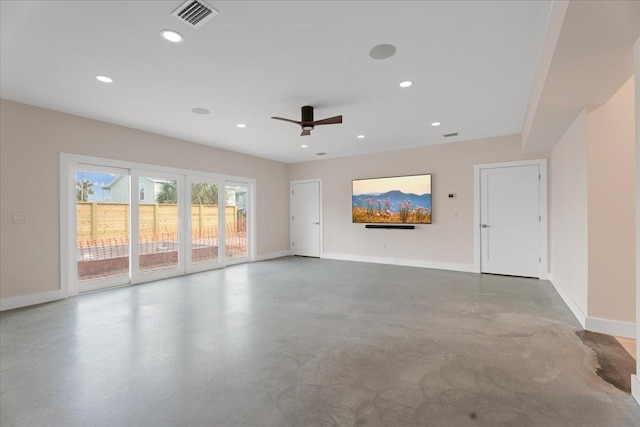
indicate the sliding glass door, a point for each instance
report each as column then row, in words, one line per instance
column 101, row 212
column 205, row 224
column 236, row 220
column 135, row 225
column 159, row 208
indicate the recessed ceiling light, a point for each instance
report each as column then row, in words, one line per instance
column 382, row 51
column 241, row 125
column 172, row 36
column 435, row 124
column 360, row 136
column 200, row 110
column 406, row 83
column 304, row 146
column 103, row 79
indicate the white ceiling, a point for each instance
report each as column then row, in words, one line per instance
column 473, row 65
column 593, row 57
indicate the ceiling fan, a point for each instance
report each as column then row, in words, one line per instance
column 307, row 123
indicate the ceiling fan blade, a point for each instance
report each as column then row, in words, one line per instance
column 330, row 121
column 286, row 120
column 305, row 133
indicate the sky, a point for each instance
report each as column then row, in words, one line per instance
column 99, row 179
column 416, row 184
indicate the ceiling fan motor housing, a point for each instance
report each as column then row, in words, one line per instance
column 307, row 118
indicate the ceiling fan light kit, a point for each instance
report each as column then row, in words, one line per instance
column 307, row 123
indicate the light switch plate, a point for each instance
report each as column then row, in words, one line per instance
column 19, row 218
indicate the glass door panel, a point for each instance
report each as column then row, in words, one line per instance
column 102, row 212
column 159, row 223
column 236, row 198
column 205, row 222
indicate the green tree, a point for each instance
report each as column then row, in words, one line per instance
column 204, row 194
column 84, row 189
column 168, row 194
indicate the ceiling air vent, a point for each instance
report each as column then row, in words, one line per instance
column 447, row 135
column 195, row 13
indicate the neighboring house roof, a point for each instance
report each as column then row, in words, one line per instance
column 118, row 177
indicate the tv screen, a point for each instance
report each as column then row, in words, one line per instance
column 395, row 200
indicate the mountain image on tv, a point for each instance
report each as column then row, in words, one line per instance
column 394, row 206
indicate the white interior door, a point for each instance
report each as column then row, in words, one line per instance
column 510, row 220
column 305, row 218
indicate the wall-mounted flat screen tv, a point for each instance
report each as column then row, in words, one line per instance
column 394, row 200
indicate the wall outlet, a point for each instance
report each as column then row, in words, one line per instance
column 19, row 218
column 452, row 195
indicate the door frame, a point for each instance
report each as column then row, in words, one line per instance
column 137, row 275
column 320, row 207
column 544, row 248
column 250, row 222
column 102, row 283
column 188, row 226
column 69, row 161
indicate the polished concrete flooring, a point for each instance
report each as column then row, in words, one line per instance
column 307, row 342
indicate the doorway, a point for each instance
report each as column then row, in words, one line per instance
column 102, row 227
column 306, row 226
column 511, row 223
column 128, row 223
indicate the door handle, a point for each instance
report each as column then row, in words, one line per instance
column 316, row 223
column 485, row 226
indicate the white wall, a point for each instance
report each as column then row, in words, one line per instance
column 448, row 241
column 592, row 219
column 568, row 263
column 611, row 207
column 31, row 139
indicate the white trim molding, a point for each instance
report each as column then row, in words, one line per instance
column 272, row 255
column 635, row 381
column 466, row 268
column 611, row 327
column 594, row 324
column 635, row 387
column 31, row 299
column 544, row 245
column 573, row 306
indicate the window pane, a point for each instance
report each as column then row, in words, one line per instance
column 236, row 221
column 102, row 225
column 158, row 223
column 204, row 222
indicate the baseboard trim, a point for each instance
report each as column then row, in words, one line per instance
column 272, row 255
column 573, row 306
column 594, row 324
column 635, row 387
column 611, row 327
column 32, row 299
column 467, row 268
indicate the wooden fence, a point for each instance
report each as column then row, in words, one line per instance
column 105, row 220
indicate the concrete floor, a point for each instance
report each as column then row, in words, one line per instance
column 307, row 342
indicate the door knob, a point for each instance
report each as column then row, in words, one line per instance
column 485, row 226
column 316, row 223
